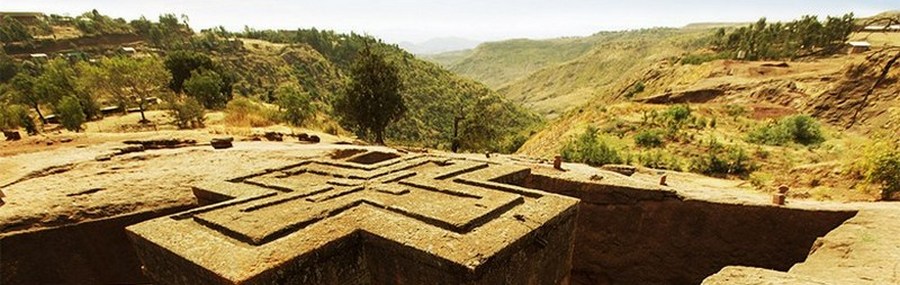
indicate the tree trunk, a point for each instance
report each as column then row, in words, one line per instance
column 141, row 107
column 379, row 137
column 38, row 110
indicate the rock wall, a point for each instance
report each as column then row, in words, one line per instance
column 96, row 252
column 633, row 236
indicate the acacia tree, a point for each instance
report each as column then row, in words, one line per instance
column 130, row 81
column 23, row 86
column 373, row 99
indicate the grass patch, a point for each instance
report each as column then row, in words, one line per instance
column 244, row 112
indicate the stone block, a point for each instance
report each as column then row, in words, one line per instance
column 371, row 218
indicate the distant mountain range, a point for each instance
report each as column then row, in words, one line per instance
column 439, row 45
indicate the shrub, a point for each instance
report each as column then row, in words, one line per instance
column 70, row 113
column 16, row 116
column 659, row 159
column 206, row 87
column 883, row 168
column 801, row 129
column 720, row 160
column 634, row 90
column 186, row 112
column 587, row 148
column 734, row 110
column 649, row 138
column 678, row 113
column 697, row 59
column 244, row 112
column 295, row 104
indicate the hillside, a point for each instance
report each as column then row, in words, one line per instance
column 661, row 98
column 553, row 76
column 731, row 100
column 259, row 64
column 498, row 63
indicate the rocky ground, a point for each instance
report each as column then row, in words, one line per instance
column 84, row 177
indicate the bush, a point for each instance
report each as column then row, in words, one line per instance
column 649, row 138
column 187, row 112
column 801, row 129
column 16, row 116
column 720, row 160
column 206, row 87
column 659, row 159
column 697, row 59
column 243, row 112
column 296, row 104
column 587, row 148
column 678, row 113
column 70, row 113
column 883, row 168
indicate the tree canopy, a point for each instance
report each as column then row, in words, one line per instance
column 806, row 36
column 373, row 99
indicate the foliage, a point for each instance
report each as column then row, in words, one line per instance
column 8, row 67
column 295, row 104
column 735, row 110
column 649, row 138
column 805, row 36
column 678, row 114
column 205, row 86
column 589, row 149
column 11, row 30
column 373, row 99
column 882, row 166
column 719, row 160
column 16, row 116
column 700, row 58
column 659, row 159
column 70, row 114
column 244, row 112
column 634, row 90
column 94, row 23
column 128, row 81
column 168, row 32
column 801, row 129
column 182, row 64
column 186, row 111
column 24, row 93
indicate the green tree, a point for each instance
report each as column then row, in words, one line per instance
column 8, row 67
column 186, row 111
column 587, row 148
column 129, row 81
column 15, row 116
column 295, row 104
column 24, row 93
column 883, row 167
column 182, row 64
column 70, row 114
column 12, row 31
column 206, row 86
column 373, row 99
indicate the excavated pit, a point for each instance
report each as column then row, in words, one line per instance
column 628, row 235
column 623, row 235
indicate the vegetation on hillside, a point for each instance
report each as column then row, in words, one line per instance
column 798, row 38
column 373, row 99
column 207, row 68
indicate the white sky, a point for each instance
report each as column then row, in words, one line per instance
column 417, row 21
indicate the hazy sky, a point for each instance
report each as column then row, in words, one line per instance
column 419, row 20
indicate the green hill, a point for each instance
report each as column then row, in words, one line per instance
column 551, row 77
column 499, row 63
column 257, row 63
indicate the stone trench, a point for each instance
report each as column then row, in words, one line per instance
column 620, row 234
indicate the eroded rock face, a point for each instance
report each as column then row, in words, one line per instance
column 370, row 218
